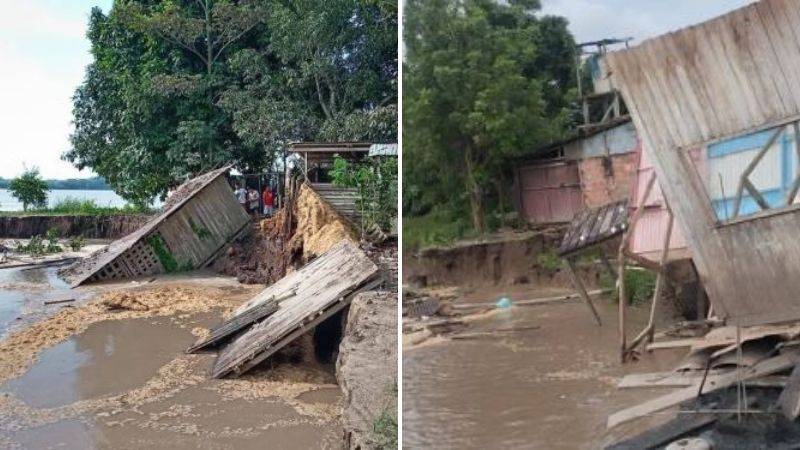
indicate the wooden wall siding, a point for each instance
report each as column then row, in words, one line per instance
column 736, row 74
column 213, row 209
column 550, row 193
column 210, row 203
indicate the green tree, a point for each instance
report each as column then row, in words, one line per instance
column 485, row 81
column 29, row 188
column 180, row 86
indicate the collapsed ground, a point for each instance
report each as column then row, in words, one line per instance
column 111, row 382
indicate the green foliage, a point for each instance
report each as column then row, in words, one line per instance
column 376, row 181
column 549, row 260
column 162, row 253
column 38, row 246
column 639, row 286
column 484, row 82
column 384, row 430
column 439, row 227
column 200, row 231
column 88, row 207
column 159, row 105
column 76, row 243
column 29, row 188
column 52, row 241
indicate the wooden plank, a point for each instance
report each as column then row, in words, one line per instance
column 223, row 368
column 789, row 400
column 320, row 287
column 689, row 378
column 576, row 281
column 236, row 323
column 767, row 367
column 662, row 435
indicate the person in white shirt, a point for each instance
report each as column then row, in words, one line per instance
column 241, row 196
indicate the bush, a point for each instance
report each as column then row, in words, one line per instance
column 639, row 286
column 376, row 181
column 76, row 243
column 439, row 227
column 384, row 430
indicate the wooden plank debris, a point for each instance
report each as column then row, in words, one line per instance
column 322, row 288
column 662, row 435
column 688, row 378
column 726, row 336
column 766, row 367
column 591, row 227
column 789, row 400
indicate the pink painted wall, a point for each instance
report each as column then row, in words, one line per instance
column 648, row 236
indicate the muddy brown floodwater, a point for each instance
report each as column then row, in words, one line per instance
column 546, row 388
column 121, row 380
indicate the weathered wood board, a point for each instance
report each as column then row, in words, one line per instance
column 229, row 327
column 594, row 226
column 736, row 74
column 321, row 288
column 767, row 367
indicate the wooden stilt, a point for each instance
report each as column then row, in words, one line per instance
column 607, row 264
column 626, row 237
column 576, row 280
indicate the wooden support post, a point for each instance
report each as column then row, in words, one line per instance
column 626, row 237
column 607, row 264
column 576, row 280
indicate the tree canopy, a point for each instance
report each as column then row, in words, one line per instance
column 29, row 188
column 178, row 87
column 484, row 82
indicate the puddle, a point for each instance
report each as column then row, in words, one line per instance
column 328, row 396
column 548, row 388
column 109, row 358
column 25, row 289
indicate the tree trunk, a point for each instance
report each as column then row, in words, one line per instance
column 475, row 193
column 205, row 165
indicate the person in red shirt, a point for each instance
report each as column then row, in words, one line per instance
column 269, row 201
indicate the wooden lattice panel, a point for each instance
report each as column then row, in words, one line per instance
column 142, row 260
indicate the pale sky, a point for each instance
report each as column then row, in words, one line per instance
column 43, row 53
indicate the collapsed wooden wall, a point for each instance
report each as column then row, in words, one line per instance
column 736, row 74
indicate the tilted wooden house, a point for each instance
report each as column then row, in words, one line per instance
column 199, row 219
column 717, row 108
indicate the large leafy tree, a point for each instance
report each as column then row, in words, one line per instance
column 180, row 86
column 485, row 81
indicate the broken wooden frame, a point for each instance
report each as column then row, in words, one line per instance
column 746, row 184
column 589, row 230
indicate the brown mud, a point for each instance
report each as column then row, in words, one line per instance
column 274, row 247
column 525, row 258
column 112, row 373
column 547, row 388
column 90, row 227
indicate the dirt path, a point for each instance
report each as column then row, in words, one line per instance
column 546, row 388
column 111, row 373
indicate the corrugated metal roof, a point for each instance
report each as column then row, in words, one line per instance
column 383, row 150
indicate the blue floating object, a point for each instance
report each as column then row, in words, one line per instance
column 503, row 303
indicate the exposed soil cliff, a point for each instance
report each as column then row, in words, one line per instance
column 367, row 372
column 91, row 227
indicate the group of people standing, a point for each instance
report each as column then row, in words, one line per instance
column 249, row 199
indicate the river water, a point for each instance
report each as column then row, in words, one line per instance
column 105, row 198
column 546, row 388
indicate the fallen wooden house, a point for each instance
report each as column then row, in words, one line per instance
column 291, row 307
column 198, row 221
column 717, row 107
